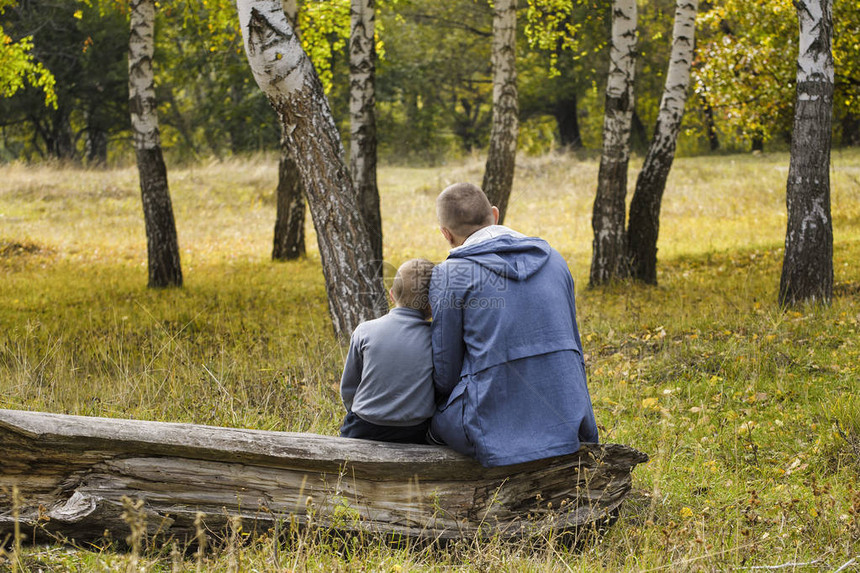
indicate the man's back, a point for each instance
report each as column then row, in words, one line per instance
column 507, row 354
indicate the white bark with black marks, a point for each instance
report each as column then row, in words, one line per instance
column 285, row 74
column 141, row 81
column 644, row 225
column 161, row 240
column 289, row 237
column 609, row 256
column 501, row 159
column 362, row 117
column 807, row 268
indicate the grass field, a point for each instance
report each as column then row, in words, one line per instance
column 750, row 413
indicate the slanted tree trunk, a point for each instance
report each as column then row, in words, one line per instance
column 161, row 242
column 289, row 240
column 609, row 254
column 807, row 268
column 286, row 75
column 362, row 118
column 644, row 225
column 501, row 159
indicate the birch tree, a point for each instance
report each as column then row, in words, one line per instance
column 362, row 115
column 289, row 239
column 807, row 268
column 644, row 225
column 501, row 159
column 609, row 254
column 161, row 241
column 285, row 74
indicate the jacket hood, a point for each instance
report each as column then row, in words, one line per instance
column 515, row 258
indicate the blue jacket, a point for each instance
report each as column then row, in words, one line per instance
column 509, row 373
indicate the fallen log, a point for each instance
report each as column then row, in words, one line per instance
column 71, row 474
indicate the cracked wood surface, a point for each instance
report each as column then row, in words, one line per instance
column 72, row 473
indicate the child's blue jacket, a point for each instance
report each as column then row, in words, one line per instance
column 509, row 370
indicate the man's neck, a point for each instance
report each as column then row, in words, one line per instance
column 489, row 232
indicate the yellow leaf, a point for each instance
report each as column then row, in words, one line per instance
column 686, row 512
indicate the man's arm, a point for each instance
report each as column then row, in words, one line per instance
column 352, row 369
column 588, row 428
column 448, row 345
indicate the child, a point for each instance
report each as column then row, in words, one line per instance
column 387, row 382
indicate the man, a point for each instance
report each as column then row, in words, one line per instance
column 509, row 373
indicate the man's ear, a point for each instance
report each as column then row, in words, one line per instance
column 495, row 215
column 391, row 295
column 449, row 236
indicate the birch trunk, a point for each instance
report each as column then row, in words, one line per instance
column 362, row 118
column 644, row 225
column 289, row 240
column 501, row 159
column 287, row 77
column 608, row 259
column 161, row 241
column 807, row 268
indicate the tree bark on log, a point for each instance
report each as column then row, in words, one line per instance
column 807, row 267
column 72, row 473
column 162, row 244
column 289, row 237
column 362, row 114
column 502, row 155
column 644, row 225
column 287, row 77
column 608, row 219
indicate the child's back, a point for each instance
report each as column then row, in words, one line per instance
column 387, row 382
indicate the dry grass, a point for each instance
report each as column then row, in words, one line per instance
column 749, row 413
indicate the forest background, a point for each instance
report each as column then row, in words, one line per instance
column 434, row 78
column 750, row 412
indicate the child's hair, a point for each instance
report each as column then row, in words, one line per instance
column 411, row 286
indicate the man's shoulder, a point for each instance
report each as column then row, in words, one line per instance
column 452, row 273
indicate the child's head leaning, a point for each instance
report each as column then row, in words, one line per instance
column 411, row 288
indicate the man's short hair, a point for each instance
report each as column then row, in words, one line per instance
column 463, row 208
column 411, row 287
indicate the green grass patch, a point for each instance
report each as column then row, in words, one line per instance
column 750, row 413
